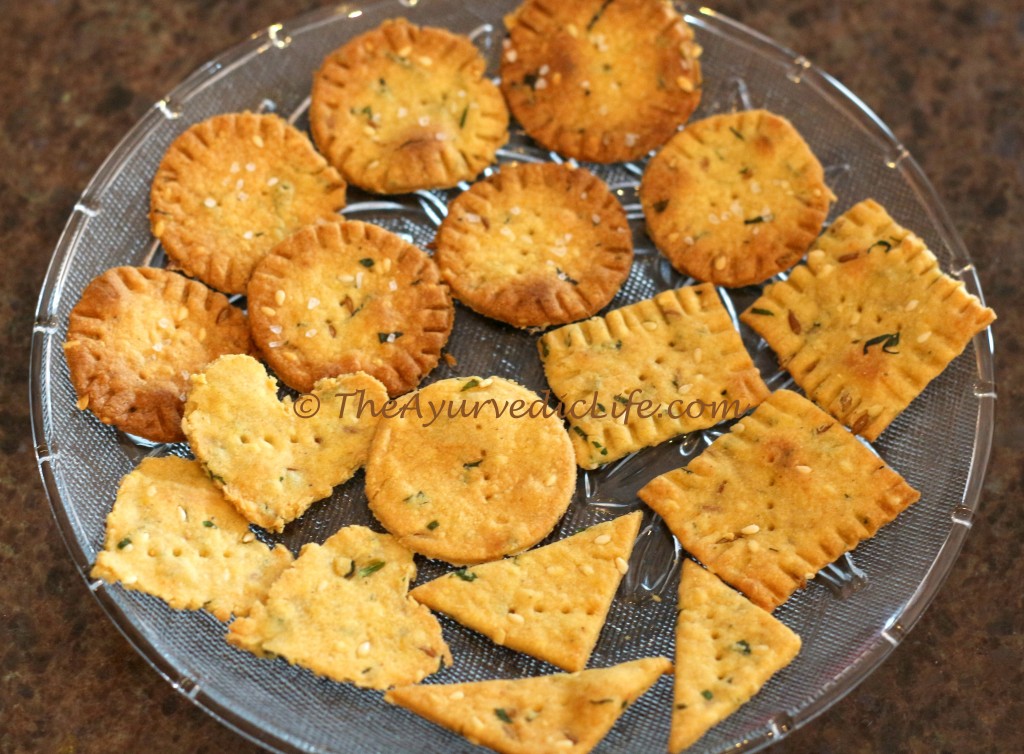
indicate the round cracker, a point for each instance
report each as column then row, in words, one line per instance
column 231, row 187
column 453, row 480
column 735, row 198
column 535, row 245
column 345, row 297
column 401, row 108
column 135, row 337
column 600, row 81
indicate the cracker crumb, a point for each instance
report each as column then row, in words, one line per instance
column 258, row 141
column 803, row 469
column 587, row 569
column 511, row 55
column 250, row 167
column 279, row 297
column 276, row 329
column 363, row 649
column 182, row 514
column 423, row 120
column 603, row 539
column 209, row 202
column 311, row 332
column 82, row 403
column 313, row 302
column 924, row 336
column 685, row 84
column 750, row 529
column 248, row 537
column 911, row 305
column 516, row 618
column 621, row 565
column 456, row 695
column 272, row 181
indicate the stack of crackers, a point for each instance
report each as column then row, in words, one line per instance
column 476, row 471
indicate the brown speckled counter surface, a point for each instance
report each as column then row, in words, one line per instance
column 946, row 75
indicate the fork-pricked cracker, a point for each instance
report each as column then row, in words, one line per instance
column 735, row 198
column 550, row 602
column 274, row 458
column 136, row 336
column 403, row 107
column 231, row 187
column 535, row 245
column 784, row 493
column 470, row 469
column 569, row 712
column 600, row 81
column 727, row 649
column 172, row 534
column 343, row 297
column 343, row 611
column 679, row 352
column 869, row 321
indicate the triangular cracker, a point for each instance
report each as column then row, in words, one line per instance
column 551, row 713
column 551, row 602
column 726, row 650
column 172, row 534
column 869, row 321
column 784, row 493
column 343, row 611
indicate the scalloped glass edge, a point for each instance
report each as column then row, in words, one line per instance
column 845, row 101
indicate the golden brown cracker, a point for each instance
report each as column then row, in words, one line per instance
column 550, row 602
column 600, row 81
column 784, row 493
column 550, row 713
column 231, row 187
column 869, row 321
column 274, row 458
column 172, row 534
column 535, row 245
column 726, row 650
column 735, row 198
column 470, row 469
column 345, row 297
column 135, row 337
column 647, row 372
column 404, row 107
column 343, row 611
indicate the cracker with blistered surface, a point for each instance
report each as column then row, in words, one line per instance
column 784, row 493
column 869, row 321
column 535, row 245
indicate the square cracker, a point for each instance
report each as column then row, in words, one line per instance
column 172, row 534
column 726, row 650
column 783, row 494
column 648, row 372
column 343, row 611
column 550, row 602
column 568, row 712
column 869, row 321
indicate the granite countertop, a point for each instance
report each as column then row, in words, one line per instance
column 946, row 75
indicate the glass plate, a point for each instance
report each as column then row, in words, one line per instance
column 850, row 616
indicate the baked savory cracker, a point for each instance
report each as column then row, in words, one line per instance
column 135, row 337
column 726, row 650
column 649, row 371
column 869, row 321
column 470, row 469
column 550, row 602
column 600, row 81
column 784, row 493
column 735, row 198
column 343, row 611
column 172, row 534
column 231, row 187
column 345, row 297
column 549, row 713
column 403, row 107
column 535, row 245
column 274, row 458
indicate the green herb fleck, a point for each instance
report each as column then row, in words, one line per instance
column 366, row 262
column 754, row 220
column 465, row 575
column 762, row 312
column 433, row 525
column 124, row 543
column 371, row 568
column 502, row 715
column 470, row 385
column 736, row 133
column 742, row 647
column 597, row 16
column 472, row 464
column 462, row 119
column 418, row 498
column 889, row 341
column 707, row 694
column 580, row 432
column 209, row 524
column 599, row 446
column 622, row 399
column 602, row 701
column 388, row 337
column 886, row 246
column 544, row 351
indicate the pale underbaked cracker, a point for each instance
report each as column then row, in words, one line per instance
column 726, row 650
column 231, row 187
column 273, row 459
column 600, row 81
column 172, row 534
column 784, row 493
column 869, row 321
column 735, row 198
column 470, row 469
column 343, row 611
column 549, row 713
column 550, row 602
column 679, row 351
column 136, row 336
column 403, row 107
column 535, row 245
column 345, row 297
